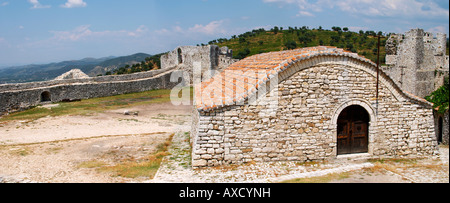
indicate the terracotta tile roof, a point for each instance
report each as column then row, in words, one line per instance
column 243, row 78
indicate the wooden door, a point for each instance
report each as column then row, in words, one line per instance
column 353, row 131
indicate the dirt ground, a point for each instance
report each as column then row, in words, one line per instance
column 58, row 150
column 53, row 149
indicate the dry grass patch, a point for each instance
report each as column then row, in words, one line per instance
column 133, row 168
column 321, row 179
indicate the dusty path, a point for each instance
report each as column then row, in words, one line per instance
column 151, row 119
column 52, row 149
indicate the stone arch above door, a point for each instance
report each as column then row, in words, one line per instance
column 372, row 120
column 45, row 96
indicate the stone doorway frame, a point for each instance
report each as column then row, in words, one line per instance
column 45, row 97
column 372, row 123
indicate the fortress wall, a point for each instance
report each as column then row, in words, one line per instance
column 70, row 90
column 417, row 61
column 110, row 78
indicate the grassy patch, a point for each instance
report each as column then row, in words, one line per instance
column 92, row 164
column 396, row 165
column 144, row 167
column 321, row 179
column 93, row 106
column 20, row 152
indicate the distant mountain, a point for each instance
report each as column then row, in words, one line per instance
column 90, row 66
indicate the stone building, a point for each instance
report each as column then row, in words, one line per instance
column 417, row 61
column 211, row 59
column 306, row 104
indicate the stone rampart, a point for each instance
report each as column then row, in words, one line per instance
column 16, row 97
column 211, row 59
column 417, row 61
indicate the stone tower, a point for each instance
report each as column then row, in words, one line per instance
column 211, row 59
column 417, row 61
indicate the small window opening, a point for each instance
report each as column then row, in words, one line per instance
column 46, row 97
column 180, row 57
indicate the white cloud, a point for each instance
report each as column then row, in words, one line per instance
column 4, row 3
column 437, row 29
column 138, row 32
column 74, row 4
column 84, row 32
column 73, row 35
column 37, row 5
column 211, row 28
column 407, row 8
column 304, row 13
column 357, row 28
column 386, row 8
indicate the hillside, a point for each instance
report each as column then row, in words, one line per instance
column 149, row 63
column 90, row 66
column 260, row 41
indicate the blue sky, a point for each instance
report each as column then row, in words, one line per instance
column 43, row 31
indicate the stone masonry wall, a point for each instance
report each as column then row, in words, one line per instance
column 304, row 126
column 14, row 98
column 211, row 59
column 417, row 61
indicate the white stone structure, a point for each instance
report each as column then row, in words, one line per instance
column 72, row 74
column 306, row 104
column 417, row 61
column 211, row 59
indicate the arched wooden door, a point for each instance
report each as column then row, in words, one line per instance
column 353, row 131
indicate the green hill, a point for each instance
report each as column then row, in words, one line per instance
column 260, row 41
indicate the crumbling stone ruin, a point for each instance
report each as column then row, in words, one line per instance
column 211, row 59
column 417, row 61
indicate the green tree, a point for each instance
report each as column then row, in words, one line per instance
column 335, row 38
column 275, row 30
column 243, row 54
column 337, row 29
column 349, row 46
column 291, row 44
column 440, row 97
column 321, row 43
column 242, row 40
